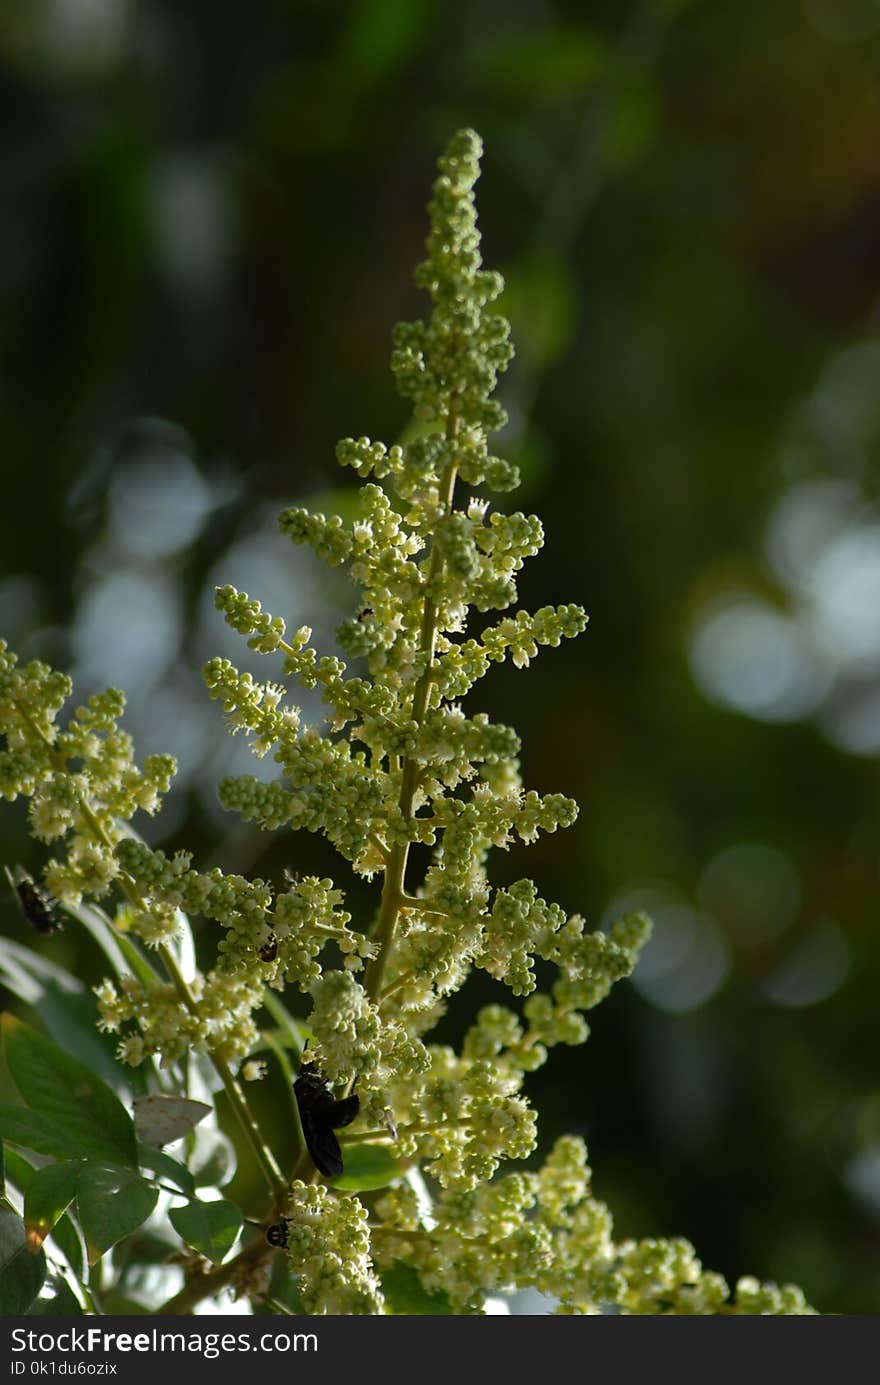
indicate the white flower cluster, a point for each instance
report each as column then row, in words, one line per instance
column 219, row 1023
column 81, row 779
column 277, row 936
column 328, row 1246
column 545, row 1230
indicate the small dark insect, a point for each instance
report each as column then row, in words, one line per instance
column 35, row 902
column 320, row 1113
column 389, row 1124
column 269, row 950
column 277, row 1235
column 362, row 615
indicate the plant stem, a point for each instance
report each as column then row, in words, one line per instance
column 394, row 888
column 237, row 1100
column 206, row 1285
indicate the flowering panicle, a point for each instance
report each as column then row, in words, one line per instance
column 81, row 779
column 401, row 760
column 545, row 1230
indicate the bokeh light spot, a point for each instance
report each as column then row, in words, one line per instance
column 753, row 890
column 748, row 656
column 813, row 971
column 685, row 962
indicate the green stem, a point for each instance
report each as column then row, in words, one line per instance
column 394, row 889
column 237, row 1100
column 397, row 985
column 356, row 1137
column 376, row 841
column 410, row 902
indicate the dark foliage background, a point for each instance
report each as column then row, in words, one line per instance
column 209, row 217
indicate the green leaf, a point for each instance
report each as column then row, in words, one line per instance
column 64, row 1234
column 293, row 1033
column 60, row 1087
column 20, row 1172
column 404, row 1295
column 541, row 300
column 134, row 960
column 49, row 1194
column 118, row 1305
column 276, row 1047
column 67, row 1238
column 96, row 922
column 212, row 1157
column 112, row 1203
column 633, row 124
column 211, row 1228
column 171, row 1170
column 551, row 64
column 19, row 1126
column 66, row 1008
column 367, row 1167
column 380, row 37
column 22, row 1266
column 63, row 1304
column 283, row 1289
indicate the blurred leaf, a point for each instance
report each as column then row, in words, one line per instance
column 120, row 1305
column 64, row 1005
column 135, row 961
column 212, row 1160
column 276, row 1047
column 291, row 1033
column 535, row 455
column 540, row 298
column 367, row 1167
column 165, row 1167
column 632, row 124
column 58, row 1086
column 112, row 1203
column 211, row 1228
column 49, row 1194
column 548, row 64
column 109, row 940
column 381, row 35
column 66, row 1236
column 145, row 1275
column 22, row 1267
column 20, row 1171
column 404, row 1295
column 283, row 1289
column 62, row 1304
column 19, row 1126
column 340, row 500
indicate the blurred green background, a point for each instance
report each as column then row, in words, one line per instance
column 209, row 217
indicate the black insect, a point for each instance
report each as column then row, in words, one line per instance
column 269, row 950
column 35, row 902
column 320, row 1113
column 277, row 1235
